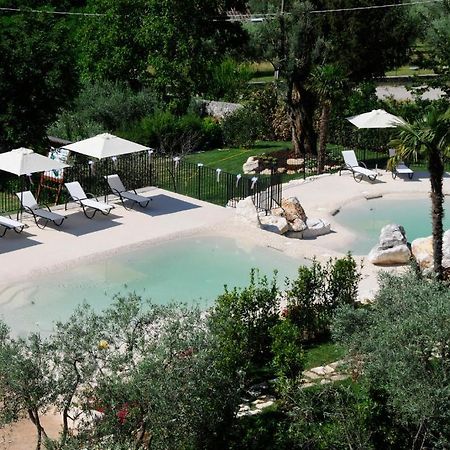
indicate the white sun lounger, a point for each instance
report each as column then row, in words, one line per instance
column 358, row 171
column 6, row 223
column 90, row 206
column 117, row 187
column 400, row 167
column 29, row 205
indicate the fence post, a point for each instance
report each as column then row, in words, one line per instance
column 304, row 165
column 199, row 168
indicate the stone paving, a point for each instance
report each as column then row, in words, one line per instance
column 317, row 375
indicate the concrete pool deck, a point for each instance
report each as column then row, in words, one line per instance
column 171, row 216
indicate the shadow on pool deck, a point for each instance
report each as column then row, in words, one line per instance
column 162, row 204
column 13, row 241
column 78, row 224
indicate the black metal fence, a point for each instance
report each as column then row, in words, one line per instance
column 373, row 159
column 140, row 170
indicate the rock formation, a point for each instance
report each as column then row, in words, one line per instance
column 392, row 247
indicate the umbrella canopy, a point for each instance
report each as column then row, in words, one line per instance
column 104, row 146
column 377, row 118
column 23, row 161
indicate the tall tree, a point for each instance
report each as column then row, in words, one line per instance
column 430, row 137
column 168, row 45
column 364, row 43
column 36, row 76
column 328, row 82
column 434, row 51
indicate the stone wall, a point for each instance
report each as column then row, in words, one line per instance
column 219, row 110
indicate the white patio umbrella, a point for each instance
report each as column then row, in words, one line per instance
column 377, row 118
column 104, row 146
column 23, row 161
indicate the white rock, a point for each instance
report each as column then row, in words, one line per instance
column 316, row 227
column 275, row 224
column 247, row 211
column 295, row 161
column 392, row 247
column 392, row 235
column 399, row 254
column 422, row 250
column 319, row 370
column 281, row 169
column 298, row 225
column 250, row 165
column 446, row 249
column 311, row 375
column 266, row 172
column 293, row 209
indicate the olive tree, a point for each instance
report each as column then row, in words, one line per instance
column 400, row 347
column 139, row 375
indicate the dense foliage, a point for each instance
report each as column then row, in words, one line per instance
column 37, row 77
column 400, row 347
column 297, row 41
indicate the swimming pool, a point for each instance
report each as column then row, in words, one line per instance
column 367, row 217
column 188, row 270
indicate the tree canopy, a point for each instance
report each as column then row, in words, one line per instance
column 400, row 347
column 363, row 43
column 168, row 45
column 37, row 76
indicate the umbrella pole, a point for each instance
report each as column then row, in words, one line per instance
column 19, row 211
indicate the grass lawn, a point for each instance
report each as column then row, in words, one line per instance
column 409, row 70
column 322, row 354
column 231, row 159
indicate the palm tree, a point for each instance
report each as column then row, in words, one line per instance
column 429, row 137
column 328, row 83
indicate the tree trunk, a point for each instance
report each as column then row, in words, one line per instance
column 436, row 169
column 323, row 136
column 34, row 417
column 300, row 104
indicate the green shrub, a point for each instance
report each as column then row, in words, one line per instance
column 242, row 319
column 400, row 346
column 314, row 295
column 229, row 81
column 173, row 134
column 266, row 430
column 103, row 107
column 288, row 357
column 334, row 416
column 270, row 105
column 242, row 128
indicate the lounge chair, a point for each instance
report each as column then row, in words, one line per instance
column 88, row 202
column 6, row 223
column 358, row 171
column 29, row 205
column 399, row 167
column 116, row 185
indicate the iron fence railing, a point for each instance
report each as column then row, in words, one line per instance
column 373, row 159
column 143, row 169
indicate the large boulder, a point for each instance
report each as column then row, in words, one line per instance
column 276, row 224
column 314, row 228
column 298, row 225
column 422, row 250
column 246, row 210
column 392, row 247
column 250, row 165
column 293, row 209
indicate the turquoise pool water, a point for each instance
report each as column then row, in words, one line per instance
column 183, row 270
column 369, row 216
